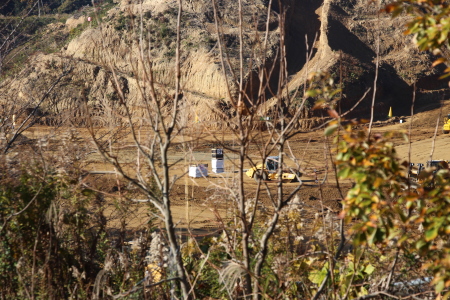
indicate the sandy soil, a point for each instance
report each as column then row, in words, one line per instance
column 206, row 205
column 426, row 139
column 209, row 204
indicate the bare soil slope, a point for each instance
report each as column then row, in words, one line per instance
column 342, row 36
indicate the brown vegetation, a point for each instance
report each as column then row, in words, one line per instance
column 95, row 197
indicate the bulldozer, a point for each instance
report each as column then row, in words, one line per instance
column 269, row 171
column 446, row 127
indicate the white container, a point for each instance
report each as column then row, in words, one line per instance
column 200, row 170
column 217, row 163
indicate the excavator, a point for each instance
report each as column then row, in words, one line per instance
column 417, row 175
column 270, row 171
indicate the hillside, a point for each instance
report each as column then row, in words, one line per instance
column 345, row 45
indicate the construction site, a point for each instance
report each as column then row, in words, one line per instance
column 199, row 193
column 164, row 149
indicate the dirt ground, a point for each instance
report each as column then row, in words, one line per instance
column 209, row 204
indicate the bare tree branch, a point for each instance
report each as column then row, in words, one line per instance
column 375, row 81
column 24, row 126
column 21, row 211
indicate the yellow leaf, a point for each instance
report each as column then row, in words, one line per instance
column 375, row 199
column 367, row 163
column 439, row 61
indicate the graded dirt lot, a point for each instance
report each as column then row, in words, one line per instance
column 426, row 140
column 209, row 203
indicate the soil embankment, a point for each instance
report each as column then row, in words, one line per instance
column 342, row 37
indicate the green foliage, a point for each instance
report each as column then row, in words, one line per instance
column 202, row 261
column 430, row 24
column 76, row 31
column 25, row 237
column 27, row 27
column 165, row 31
column 377, row 174
column 99, row 11
column 33, row 38
column 121, row 23
column 323, row 90
column 170, row 53
column 389, row 214
column 53, row 239
column 56, row 247
column 69, row 6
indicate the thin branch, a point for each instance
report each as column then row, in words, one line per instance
column 338, row 253
column 19, row 212
column 341, row 116
column 394, row 264
column 355, row 264
column 3, row 45
column 372, row 109
column 433, row 144
column 199, row 271
column 409, row 131
column 376, row 295
column 222, row 61
column 22, row 126
column 137, row 287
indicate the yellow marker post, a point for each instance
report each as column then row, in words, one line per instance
column 390, row 112
column 196, row 118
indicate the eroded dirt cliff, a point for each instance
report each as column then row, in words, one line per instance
column 342, row 35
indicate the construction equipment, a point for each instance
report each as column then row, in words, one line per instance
column 418, row 175
column 270, row 171
column 446, row 127
column 437, row 164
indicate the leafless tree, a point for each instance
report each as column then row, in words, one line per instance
column 266, row 116
column 278, row 127
column 153, row 151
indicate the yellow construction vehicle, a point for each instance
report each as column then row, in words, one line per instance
column 270, row 171
column 446, row 127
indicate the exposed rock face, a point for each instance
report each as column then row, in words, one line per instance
column 342, row 35
column 74, row 21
